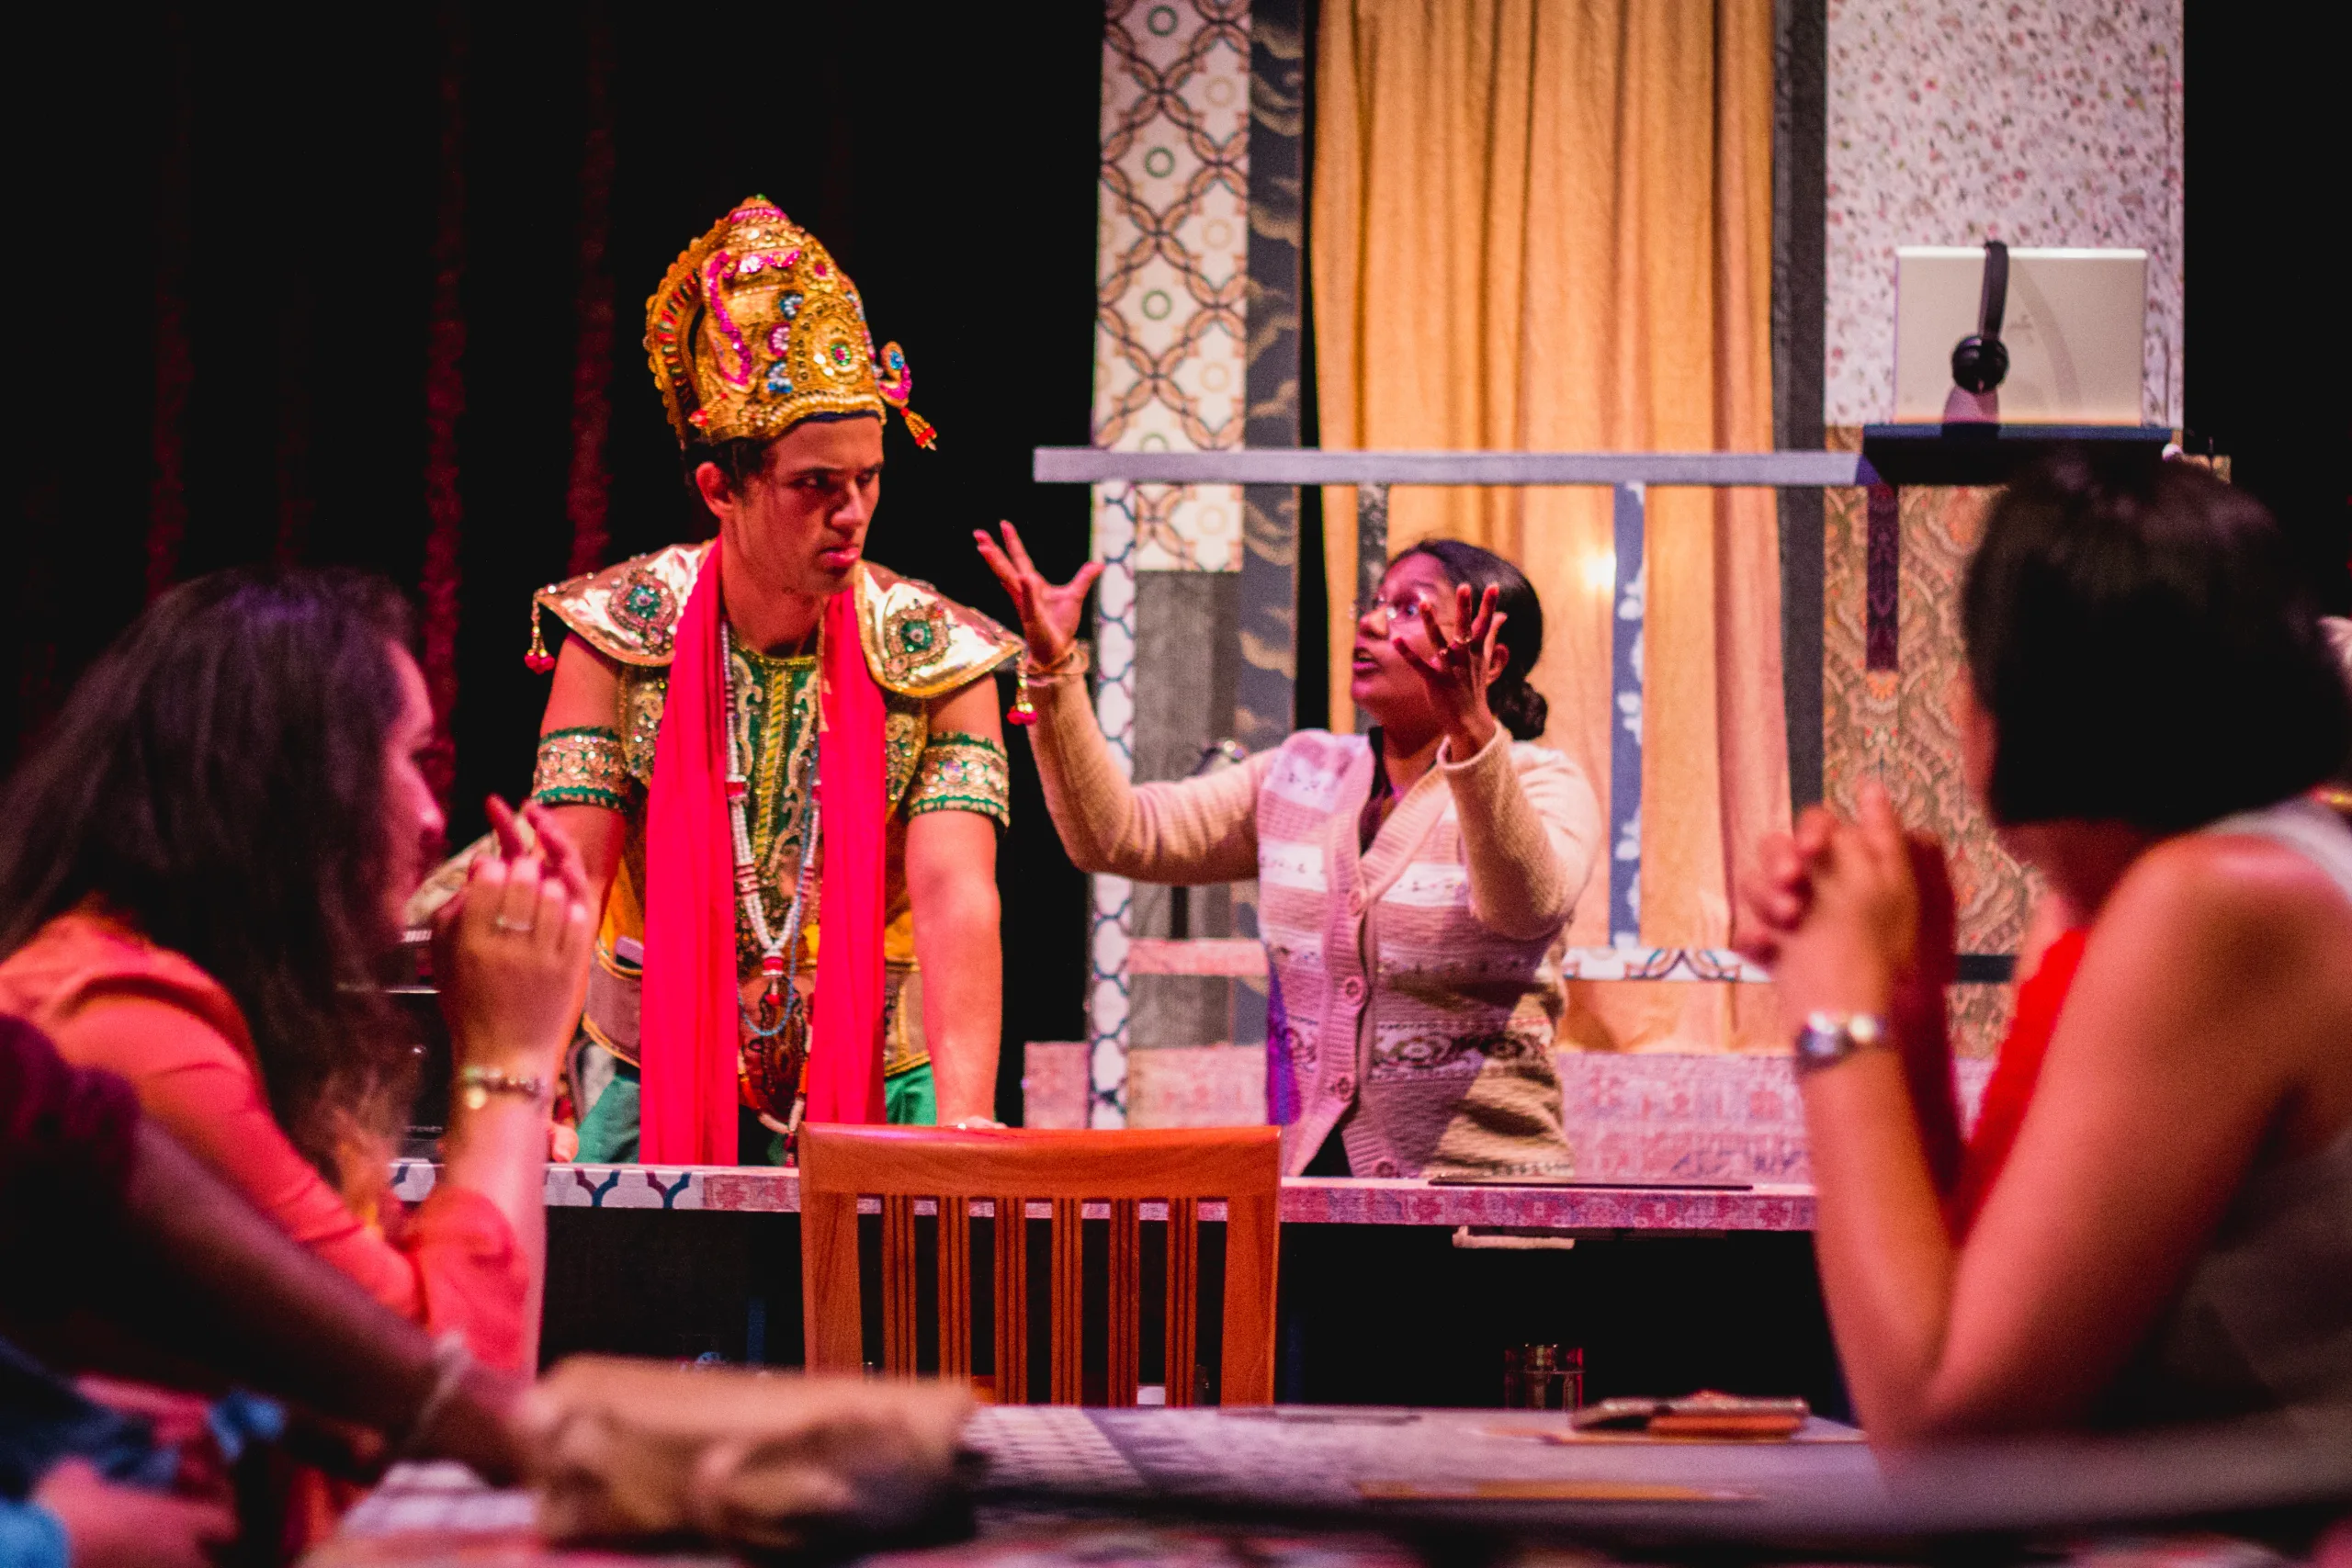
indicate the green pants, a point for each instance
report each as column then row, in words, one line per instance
column 608, row 1133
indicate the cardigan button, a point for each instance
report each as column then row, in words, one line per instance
column 1352, row 989
column 1385, row 1167
column 1343, row 1088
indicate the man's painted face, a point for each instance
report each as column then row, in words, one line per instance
column 802, row 523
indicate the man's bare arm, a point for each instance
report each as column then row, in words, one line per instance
column 951, row 881
column 586, row 694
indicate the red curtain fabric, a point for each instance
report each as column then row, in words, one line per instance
column 588, row 493
column 445, row 404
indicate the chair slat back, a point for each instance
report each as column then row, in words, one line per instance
column 1183, row 1165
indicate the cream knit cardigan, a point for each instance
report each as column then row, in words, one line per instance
column 1416, row 986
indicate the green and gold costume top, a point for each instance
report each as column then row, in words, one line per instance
column 919, row 645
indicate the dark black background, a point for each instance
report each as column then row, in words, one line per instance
column 947, row 157
column 2268, row 353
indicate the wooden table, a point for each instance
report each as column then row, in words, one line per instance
column 1070, row 1488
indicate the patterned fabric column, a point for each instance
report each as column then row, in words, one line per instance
column 1266, row 702
column 2040, row 124
column 1168, row 374
column 1629, row 592
column 1266, row 697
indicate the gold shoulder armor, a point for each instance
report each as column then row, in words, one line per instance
column 918, row 642
column 628, row 612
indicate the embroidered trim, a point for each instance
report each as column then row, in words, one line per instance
column 960, row 771
column 643, row 691
column 918, row 642
column 903, row 1049
column 905, row 726
column 582, row 766
column 773, row 721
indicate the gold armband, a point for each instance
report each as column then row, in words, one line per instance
column 958, row 772
column 581, row 767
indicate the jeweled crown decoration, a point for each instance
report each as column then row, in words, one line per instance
column 754, row 329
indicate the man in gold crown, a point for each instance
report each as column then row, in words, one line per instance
column 783, row 761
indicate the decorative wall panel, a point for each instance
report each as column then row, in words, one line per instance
column 1172, row 276
column 1896, row 723
column 2040, row 122
column 1173, row 262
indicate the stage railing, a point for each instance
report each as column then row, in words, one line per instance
column 1630, row 475
column 1891, row 456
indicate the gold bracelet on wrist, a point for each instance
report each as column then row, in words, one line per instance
column 1066, row 665
column 1071, row 661
column 474, row 1086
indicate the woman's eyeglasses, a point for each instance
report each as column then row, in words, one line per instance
column 1403, row 607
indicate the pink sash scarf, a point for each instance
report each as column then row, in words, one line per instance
column 845, row 1058
column 689, row 1037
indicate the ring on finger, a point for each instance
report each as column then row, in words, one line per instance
column 500, row 923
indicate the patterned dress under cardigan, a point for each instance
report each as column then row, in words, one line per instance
column 1415, row 985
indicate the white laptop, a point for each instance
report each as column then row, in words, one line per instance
column 2072, row 327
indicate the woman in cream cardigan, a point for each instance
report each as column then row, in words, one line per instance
column 1413, row 883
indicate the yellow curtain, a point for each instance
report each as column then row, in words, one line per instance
column 1546, row 224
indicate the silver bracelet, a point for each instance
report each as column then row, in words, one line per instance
column 1829, row 1038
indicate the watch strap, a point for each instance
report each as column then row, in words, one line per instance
column 1829, row 1038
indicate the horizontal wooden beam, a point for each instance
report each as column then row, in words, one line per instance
column 1310, row 465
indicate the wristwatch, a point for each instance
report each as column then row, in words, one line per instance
column 1828, row 1038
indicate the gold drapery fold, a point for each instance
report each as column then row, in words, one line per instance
column 1547, row 225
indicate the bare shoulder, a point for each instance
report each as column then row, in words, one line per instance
column 585, row 692
column 2261, row 898
column 2235, row 936
column 969, row 709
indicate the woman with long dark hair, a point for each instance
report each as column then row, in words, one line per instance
column 2162, row 1228
column 203, row 868
column 1413, row 882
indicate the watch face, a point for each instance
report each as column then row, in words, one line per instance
column 1826, row 1038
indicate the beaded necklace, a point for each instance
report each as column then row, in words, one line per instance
column 779, row 949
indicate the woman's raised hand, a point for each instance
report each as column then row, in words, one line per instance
column 511, row 951
column 1458, row 670
column 1049, row 613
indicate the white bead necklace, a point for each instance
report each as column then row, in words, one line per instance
column 779, row 949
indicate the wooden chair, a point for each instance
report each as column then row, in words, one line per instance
column 1241, row 1165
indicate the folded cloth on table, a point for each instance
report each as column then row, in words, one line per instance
column 767, row 1462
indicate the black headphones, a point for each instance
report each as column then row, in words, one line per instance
column 1980, row 360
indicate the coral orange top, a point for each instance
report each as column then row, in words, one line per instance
column 2010, row 1089
column 114, row 1000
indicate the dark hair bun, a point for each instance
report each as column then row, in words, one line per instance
column 1519, row 707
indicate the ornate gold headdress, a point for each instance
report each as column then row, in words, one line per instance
column 754, row 329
